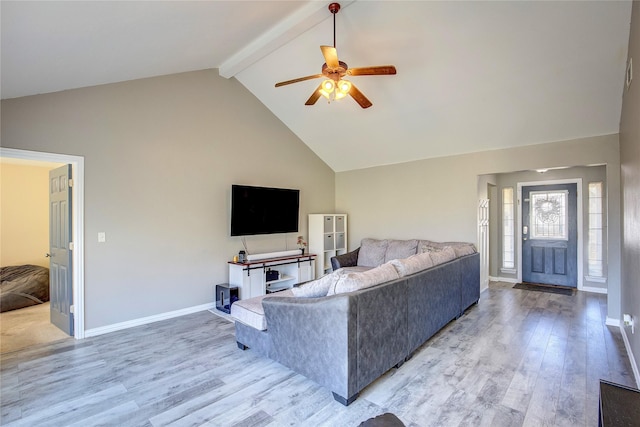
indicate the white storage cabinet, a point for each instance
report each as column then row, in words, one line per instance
column 251, row 277
column 327, row 238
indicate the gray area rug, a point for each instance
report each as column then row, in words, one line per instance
column 562, row 290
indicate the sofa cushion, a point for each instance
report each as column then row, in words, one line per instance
column 441, row 255
column 398, row 249
column 412, row 264
column 356, row 281
column 355, row 269
column 460, row 248
column 319, row 287
column 250, row 311
column 372, row 252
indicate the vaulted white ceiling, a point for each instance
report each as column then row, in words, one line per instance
column 472, row 76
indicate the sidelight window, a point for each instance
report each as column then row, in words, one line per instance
column 595, row 262
column 508, row 229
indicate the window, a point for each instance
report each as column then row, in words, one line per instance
column 595, row 264
column 508, row 229
column 549, row 215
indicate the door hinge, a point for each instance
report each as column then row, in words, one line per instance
column 70, row 183
column 71, row 246
column 71, row 309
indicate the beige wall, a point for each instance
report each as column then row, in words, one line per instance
column 437, row 198
column 630, row 161
column 160, row 157
column 24, row 215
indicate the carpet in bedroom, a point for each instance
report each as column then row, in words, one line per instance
column 27, row 327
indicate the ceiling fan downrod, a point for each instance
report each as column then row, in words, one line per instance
column 334, row 8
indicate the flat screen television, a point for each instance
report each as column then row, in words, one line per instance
column 263, row 210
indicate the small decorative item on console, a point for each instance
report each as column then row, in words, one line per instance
column 302, row 244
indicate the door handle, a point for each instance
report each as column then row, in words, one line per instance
column 48, row 255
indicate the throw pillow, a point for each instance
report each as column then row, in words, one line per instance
column 319, row 287
column 442, row 255
column 462, row 249
column 398, row 249
column 366, row 279
column 412, row 264
column 372, row 252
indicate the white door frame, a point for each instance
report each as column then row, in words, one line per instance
column 77, row 212
column 580, row 260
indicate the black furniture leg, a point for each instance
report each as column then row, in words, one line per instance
column 345, row 402
column 241, row 346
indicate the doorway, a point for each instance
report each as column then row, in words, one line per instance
column 549, row 234
column 77, row 215
column 552, row 255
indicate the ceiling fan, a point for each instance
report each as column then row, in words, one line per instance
column 334, row 86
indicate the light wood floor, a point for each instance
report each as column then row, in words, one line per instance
column 518, row 358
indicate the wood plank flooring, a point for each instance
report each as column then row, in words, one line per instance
column 518, row 358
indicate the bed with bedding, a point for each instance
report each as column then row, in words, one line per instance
column 23, row 286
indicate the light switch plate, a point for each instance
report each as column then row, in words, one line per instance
column 102, row 237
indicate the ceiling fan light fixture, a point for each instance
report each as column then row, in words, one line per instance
column 328, row 87
column 344, row 86
column 333, row 87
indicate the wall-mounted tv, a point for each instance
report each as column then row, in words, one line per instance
column 263, row 210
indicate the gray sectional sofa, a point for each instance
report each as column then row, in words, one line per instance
column 348, row 328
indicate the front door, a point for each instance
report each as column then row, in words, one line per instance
column 550, row 234
column 60, row 264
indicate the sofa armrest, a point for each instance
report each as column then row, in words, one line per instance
column 316, row 337
column 350, row 259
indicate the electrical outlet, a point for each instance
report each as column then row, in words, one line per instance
column 629, row 320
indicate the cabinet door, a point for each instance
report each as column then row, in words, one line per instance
column 257, row 283
column 238, row 277
column 305, row 271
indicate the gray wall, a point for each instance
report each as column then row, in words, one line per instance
column 160, row 157
column 630, row 161
column 587, row 174
column 437, row 198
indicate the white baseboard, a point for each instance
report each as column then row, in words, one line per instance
column 632, row 360
column 593, row 290
column 146, row 320
column 612, row 322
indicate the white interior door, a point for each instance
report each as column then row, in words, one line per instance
column 60, row 255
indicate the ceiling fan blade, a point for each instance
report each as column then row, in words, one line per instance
column 330, row 56
column 314, row 96
column 359, row 97
column 299, row 79
column 372, row 71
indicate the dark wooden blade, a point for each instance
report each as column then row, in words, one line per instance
column 359, row 97
column 372, row 71
column 314, row 97
column 299, row 79
column 330, row 56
